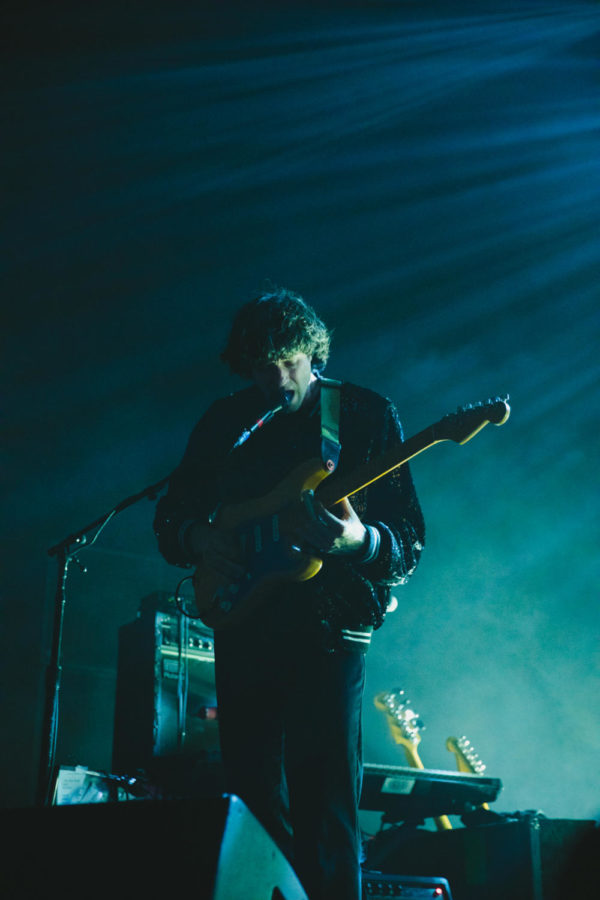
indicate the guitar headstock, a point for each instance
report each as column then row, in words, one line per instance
column 405, row 724
column 464, row 424
column 467, row 759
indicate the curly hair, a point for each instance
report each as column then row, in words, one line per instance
column 275, row 325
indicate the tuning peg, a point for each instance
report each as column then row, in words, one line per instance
column 395, row 697
column 473, row 758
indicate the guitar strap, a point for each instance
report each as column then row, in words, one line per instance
column 330, row 422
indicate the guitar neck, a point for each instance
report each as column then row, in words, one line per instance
column 331, row 493
column 459, row 427
column 467, row 760
column 412, row 757
column 442, row 823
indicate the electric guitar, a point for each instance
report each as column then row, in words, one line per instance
column 406, row 726
column 263, row 527
column 467, row 759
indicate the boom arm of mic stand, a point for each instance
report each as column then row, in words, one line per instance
column 150, row 492
column 65, row 552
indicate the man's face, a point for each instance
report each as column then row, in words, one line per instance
column 291, row 374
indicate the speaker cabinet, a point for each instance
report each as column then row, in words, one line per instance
column 210, row 850
column 165, row 705
column 529, row 859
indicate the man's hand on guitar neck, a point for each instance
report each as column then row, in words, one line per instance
column 320, row 529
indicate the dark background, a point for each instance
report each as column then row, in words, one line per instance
column 426, row 174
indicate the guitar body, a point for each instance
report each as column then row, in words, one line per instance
column 262, row 529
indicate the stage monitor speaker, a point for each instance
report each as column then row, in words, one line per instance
column 528, row 859
column 165, row 705
column 212, row 849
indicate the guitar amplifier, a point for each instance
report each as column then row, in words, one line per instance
column 165, row 705
column 376, row 885
column 534, row 858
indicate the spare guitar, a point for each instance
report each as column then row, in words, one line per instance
column 406, row 726
column 467, row 759
column 262, row 527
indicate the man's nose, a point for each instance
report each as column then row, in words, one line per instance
column 278, row 375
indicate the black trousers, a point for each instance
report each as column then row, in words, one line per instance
column 290, row 729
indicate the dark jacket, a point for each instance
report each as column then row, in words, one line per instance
column 347, row 599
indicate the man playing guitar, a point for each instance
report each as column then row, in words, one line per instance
column 290, row 663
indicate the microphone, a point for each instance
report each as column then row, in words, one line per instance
column 284, row 398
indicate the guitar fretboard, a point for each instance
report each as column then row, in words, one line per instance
column 331, row 493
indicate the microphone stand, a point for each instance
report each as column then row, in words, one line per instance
column 65, row 553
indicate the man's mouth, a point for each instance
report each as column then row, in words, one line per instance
column 285, row 398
